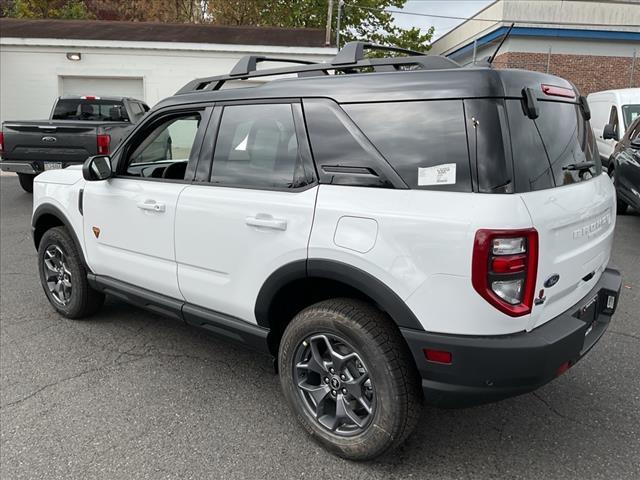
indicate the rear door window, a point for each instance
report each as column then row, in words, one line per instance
column 257, row 146
column 424, row 141
column 557, row 148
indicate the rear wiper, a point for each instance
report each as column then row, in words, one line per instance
column 580, row 166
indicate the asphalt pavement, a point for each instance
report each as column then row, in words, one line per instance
column 131, row 395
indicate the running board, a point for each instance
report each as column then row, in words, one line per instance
column 220, row 324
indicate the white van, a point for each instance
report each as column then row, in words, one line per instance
column 617, row 108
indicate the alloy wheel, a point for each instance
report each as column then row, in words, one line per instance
column 334, row 384
column 57, row 274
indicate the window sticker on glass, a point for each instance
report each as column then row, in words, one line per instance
column 444, row 174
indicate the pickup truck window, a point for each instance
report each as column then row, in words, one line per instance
column 91, row 110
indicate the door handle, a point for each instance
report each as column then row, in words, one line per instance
column 263, row 220
column 151, row 205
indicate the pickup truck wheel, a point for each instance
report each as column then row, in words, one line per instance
column 26, row 181
column 348, row 376
column 64, row 277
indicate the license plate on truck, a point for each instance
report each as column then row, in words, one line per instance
column 53, row 165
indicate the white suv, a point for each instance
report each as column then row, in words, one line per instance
column 406, row 230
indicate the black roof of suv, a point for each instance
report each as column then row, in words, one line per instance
column 413, row 77
column 388, row 118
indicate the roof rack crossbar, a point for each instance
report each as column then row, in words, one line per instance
column 307, row 69
column 353, row 52
column 249, row 63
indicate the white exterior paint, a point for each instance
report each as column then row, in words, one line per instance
column 531, row 13
column 601, row 104
column 214, row 258
column 32, row 70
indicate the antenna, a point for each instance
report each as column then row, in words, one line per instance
column 501, row 42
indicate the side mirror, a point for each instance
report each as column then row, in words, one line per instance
column 635, row 143
column 97, row 168
column 609, row 132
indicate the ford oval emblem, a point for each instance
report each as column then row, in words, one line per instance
column 552, row 280
column 49, row 139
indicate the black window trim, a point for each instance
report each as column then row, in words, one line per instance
column 386, row 171
column 123, row 150
column 205, row 161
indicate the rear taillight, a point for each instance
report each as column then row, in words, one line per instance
column 103, row 144
column 1, row 143
column 504, row 268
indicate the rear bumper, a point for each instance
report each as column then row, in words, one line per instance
column 485, row 369
column 32, row 167
column 18, row 167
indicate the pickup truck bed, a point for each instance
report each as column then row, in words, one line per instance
column 78, row 128
column 29, row 145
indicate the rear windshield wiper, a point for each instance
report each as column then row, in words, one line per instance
column 580, row 166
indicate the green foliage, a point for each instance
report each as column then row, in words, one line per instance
column 360, row 20
column 65, row 9
column 370, row 23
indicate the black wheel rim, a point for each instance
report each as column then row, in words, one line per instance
column 57, row 274
column 334, row 384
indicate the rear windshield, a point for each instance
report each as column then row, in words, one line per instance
column 555, row 149
column 424, row 141
column 89, row 110
column 630, row 113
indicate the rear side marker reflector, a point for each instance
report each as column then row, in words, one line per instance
column 438, row 356
column 558, row 91
column 563, row 368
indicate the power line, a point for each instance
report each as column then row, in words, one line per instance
column 449, row 17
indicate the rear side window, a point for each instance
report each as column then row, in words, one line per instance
column 89, row 110
column 555, row 149
column 257, row 146
column 424, row 141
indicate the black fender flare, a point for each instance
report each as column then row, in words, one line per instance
column 366, row 283
column 48, row 209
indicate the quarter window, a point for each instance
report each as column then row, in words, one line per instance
column 257, row 146
column 424, row 141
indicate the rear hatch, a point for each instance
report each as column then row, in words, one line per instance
column 558, row 175
column 59, row 141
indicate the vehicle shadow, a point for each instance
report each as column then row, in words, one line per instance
column 563, row 420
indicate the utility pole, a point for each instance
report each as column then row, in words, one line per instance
column 340, row 2
column 327, row 38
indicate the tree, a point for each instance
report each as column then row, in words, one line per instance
column 66, row 9
column 360, row 19
column 365, row 20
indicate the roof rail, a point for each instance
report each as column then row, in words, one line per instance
column 353, row 52
column 351, row 61
column 249, row 63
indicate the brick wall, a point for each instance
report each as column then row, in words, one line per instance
column 589, row 73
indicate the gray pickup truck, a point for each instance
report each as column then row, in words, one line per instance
column 78, row 127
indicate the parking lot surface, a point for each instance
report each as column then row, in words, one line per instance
column 129, row 394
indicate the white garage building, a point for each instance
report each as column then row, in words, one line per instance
column 43, row 59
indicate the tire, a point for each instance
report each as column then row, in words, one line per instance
column 621, row 205
column 382, row 374
column 64, row 277
column 26, row 182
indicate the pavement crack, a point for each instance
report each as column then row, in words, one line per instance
column 59, row 381
column 624, row 334
column 559, row 414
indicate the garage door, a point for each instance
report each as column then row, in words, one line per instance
column 103, row 86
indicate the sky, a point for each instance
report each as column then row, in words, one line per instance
column 458, row 8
